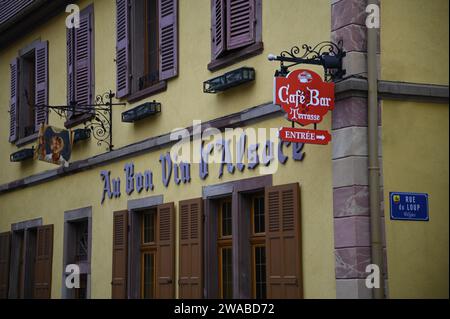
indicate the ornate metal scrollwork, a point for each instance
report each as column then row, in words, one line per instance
column 326, row 53
column 100, row 123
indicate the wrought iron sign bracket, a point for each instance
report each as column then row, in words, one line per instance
column 99, row 120
column 327, row 54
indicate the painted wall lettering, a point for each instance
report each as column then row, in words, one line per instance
column 106, row 175
column 254, row 154
column 166, row 168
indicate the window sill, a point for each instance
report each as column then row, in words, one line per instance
column 77, row 120
column 27, row 140
column 156, row 88
column 237, row 56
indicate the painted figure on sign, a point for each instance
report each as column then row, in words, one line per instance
column 56, row 147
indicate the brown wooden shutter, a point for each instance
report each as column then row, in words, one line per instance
column 5, row 253
column 14, row 101
column 122, row 48
column 43, row 263
column 165, row 268
column 120, row 255
column 168, row 39
column 218, row 36
column 84, row 41
column 41, row 75
column 240, row 23
column 283, row 241
column 191, row 249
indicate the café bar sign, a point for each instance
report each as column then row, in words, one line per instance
column 306, row 99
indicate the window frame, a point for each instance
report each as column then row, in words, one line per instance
column 24, row 140
column 27, row 81
column 136, row 94
column 254, row 247
column 221, row 237
column 135, row 208
column 151, row 251
column 223, row 241
column 256, row 240
column 148, row 248
column 221, row 248
column 153, row 213
column 71, row 218
column 239, row 191
column 19, row 246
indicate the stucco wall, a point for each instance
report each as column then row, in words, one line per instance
column 50, row 200
column 414, row 48
column 184, row 99
column 415, row 159
column 414, row 41
column 183, row 102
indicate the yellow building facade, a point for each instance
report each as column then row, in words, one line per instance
column 168, row 230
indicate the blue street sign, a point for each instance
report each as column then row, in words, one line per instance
column 409, row 206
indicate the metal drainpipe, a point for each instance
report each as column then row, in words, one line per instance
column 374, row 169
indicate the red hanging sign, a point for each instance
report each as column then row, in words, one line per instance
column 298, row 135
column 304, row 96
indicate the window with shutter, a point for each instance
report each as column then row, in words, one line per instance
column 5, row 253
column 283, row 241
column 147, row 46
column 120, row 255
column 235, row 246
column 191, row 249
column 29, row 92
column 236, row 31
column 43, row 263
column 30, row 259
column 77, row 250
